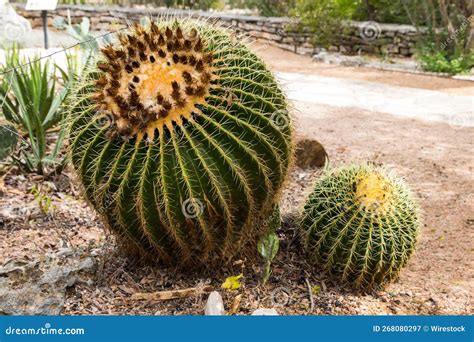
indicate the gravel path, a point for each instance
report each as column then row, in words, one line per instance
column 432, row 105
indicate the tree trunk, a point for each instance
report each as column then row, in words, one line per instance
column 448, row 25
column 467, row 7
column 370, row 10
column 470, row 38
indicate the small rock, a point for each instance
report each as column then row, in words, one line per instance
column 265, row 312
column 64, row 252
column 338, row 59
column 39, row 287
column 310, row 153
column 302, row 175
column 214, row 305
column 48, row 187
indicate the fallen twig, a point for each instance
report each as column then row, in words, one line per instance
column 173, row 294
column 310, row 291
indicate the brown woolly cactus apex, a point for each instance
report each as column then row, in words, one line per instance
column 182, row 140
column 154, row 83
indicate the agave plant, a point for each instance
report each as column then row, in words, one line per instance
column 88, row 44
column 182, row 140
column 31, row 100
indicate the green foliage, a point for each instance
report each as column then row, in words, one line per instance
column 414, row 12
column 266, row 8
column 360, row 224
column 8, row 139
column 268, row 248
column 45, row 203
column 434, row 60
column 80, row 32
column 195, row 190
column 89, row 45
column 444, row 26
column 446, row 46
column 200, row 4
column 268, row 245
column 323, row 17
column 385, row 11
column 31, row 100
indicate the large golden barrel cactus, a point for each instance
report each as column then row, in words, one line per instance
column 182, row 140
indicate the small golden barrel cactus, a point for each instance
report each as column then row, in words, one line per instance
column 360, row 224
column 182, row 140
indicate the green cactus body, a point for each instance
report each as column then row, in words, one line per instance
column 182, row 140
column 360, row 224
column 8, row 139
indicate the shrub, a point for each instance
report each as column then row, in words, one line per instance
column 446, row 43
column 181, row 138
column 323, row 18
column 435, row 60
column 360, row 224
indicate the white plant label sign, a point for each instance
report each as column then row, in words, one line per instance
column 41, row 5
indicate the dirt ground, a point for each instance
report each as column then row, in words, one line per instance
column 435, row 158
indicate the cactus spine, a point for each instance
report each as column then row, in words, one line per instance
column 178, row 139
column 360, row 224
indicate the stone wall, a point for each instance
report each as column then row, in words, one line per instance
column 355, row 36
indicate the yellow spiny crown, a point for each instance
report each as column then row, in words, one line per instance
column 154, row 79
column 373, row 192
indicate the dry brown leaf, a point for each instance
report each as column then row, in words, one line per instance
column 236, row 304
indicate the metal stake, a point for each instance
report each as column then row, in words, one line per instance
column 44, row 14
